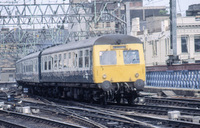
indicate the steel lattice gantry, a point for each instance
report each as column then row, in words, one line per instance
column 28, row 27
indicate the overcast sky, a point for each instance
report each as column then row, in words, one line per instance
column 182, row 5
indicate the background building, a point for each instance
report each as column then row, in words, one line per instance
column 193, row 10
column 156, row 40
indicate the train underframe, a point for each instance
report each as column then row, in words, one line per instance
column 120, row 93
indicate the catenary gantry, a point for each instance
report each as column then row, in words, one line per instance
column 29, row 26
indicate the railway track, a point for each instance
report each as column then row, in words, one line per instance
column 137, row 113
column 9, row 124
column 155, row 120
column 55, row 112
column 193, row 103
column 157, row 110
column 87, row 115
column 100, row 118
column 83, row 116
column 70, row 115
column 14, row 119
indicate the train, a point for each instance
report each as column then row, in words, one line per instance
column 100, row 69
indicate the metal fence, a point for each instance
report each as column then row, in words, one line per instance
column 189, row 79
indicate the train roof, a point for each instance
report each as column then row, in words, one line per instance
column 33, row 55
column 113, row 39
column 116, row 39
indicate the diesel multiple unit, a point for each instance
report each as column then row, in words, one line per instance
column 109, row 67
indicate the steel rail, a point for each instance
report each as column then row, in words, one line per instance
column 10, row 124
column 173, row 102
column 100, row 115
column 40, row 119
column 154, row 120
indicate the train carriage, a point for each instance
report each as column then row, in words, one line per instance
column 68, row 63
column 109, row 67
column 27, row 69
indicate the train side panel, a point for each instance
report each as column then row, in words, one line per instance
column 72, row 66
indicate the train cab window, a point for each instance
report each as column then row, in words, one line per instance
column 49, row 62
column 108, row 57
column 86, row 58
column 55, row 62
column 131, row 57
column 80, row 59
column 65, row 60
column 60, row 61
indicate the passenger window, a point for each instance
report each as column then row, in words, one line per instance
column 36, row 68
column 70, row 55
column 17, row 68
column 35, row 65
column 80, row 59
column 74, row 57
column 49, row 63
column 86, row 58
column 22, row 68
column 60, row 61
column 65, row 61
column 69, row 60
column 55, row 62
column 31, row 65
column 25, row 67
column 45, row 63
column 42, row 63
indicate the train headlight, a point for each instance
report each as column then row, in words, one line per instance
column 104, row 76
column 136, row 75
